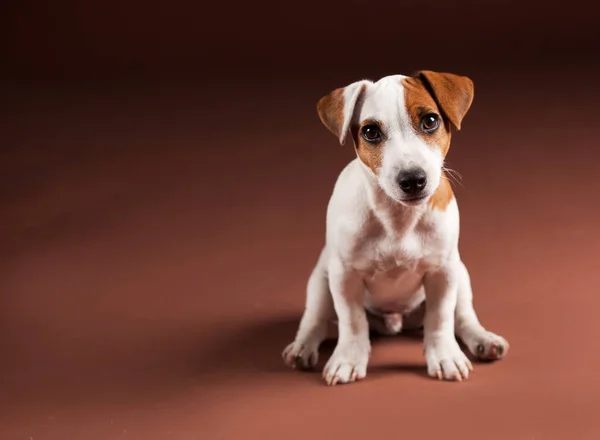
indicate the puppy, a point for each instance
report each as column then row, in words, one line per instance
column 392, row 232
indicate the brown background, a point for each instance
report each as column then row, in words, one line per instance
column 164, row 183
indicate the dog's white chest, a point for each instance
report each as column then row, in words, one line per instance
column 413, row 251
column 394, row 290
column 393, row 267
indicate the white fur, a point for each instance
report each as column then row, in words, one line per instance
column 386, row 256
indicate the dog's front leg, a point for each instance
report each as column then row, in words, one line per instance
column 445, row 359
column 348, row 362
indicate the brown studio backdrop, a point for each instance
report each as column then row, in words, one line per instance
column 87, row 39
column 163, row 184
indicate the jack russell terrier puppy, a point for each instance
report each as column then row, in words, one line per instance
column 391, row 258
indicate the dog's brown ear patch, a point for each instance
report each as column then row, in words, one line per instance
column 442, row 196
column 453, row 93
column 331, row 111
column 336, row 109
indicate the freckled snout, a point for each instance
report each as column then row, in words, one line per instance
column 412, row 182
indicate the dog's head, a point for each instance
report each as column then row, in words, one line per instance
column 401, row 127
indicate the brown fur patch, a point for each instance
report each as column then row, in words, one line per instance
column 331, row 111
column 370, row 154
column 419, row 102
column 443, row 195
column 450, row 97
column 453, row 93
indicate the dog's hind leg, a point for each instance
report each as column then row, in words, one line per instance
column 483, row 344
column 318, row 313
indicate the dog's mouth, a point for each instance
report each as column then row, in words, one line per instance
column 415, row 200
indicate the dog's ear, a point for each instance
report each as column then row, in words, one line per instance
column 336, row 109
column 453, row 93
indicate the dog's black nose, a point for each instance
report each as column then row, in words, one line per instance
column 412, row 181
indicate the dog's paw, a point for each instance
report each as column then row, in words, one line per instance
column 445, row 360
column 300, row 355
column 347, row 364
column 487, row 346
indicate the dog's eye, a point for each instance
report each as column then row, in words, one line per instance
column 430, row 122
column 371, row 133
